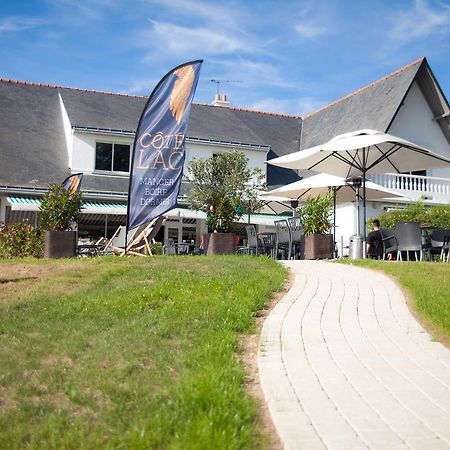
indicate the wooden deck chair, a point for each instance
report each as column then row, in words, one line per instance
column 140, row 243
column 138, row 239
column 114, row 241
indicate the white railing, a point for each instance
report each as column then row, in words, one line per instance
column 422, row 185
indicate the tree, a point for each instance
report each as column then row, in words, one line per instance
column 225, row 188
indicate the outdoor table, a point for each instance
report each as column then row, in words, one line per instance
column 186, row 248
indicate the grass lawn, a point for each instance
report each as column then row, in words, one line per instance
column 128, row 352
column 428, row 285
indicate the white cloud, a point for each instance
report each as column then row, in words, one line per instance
column 9, row 24
column 213, row 13
column 419, row 22
column 254, row 73
column 142, row 87
column 310, row 31
column 294, row 106
column 180, row 40
column 77, row 11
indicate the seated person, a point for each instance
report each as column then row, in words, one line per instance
column 374, row 245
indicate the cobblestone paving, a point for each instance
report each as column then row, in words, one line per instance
column 344, row 365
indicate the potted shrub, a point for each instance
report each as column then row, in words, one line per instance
column 60, row 208
column 315, row 215
column 225, row 188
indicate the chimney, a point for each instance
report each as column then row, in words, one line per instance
column 220, row 100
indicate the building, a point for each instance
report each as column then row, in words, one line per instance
column 49, row 132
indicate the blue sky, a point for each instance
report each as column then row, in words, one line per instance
column 288, row 56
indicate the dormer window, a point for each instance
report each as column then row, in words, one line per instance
column 112, row 157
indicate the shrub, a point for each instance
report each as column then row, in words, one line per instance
column 156, row 248
column 59, row 207
column 315, row 214
column 434, row 216
column 20, row 240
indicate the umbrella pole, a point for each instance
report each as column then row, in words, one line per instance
column 358, row 222
column 334, row 218
column 364, row 216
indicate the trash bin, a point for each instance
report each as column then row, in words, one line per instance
column 355, row 248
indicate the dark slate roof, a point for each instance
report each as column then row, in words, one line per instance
column 373, row 106
column 32, row 142
column 104, row 183
column 32, row 138
column 102, row 110
column 281, row 133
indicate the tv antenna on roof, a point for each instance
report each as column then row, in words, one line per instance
column 223, row 81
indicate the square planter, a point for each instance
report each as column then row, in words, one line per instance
column 221, row 244
column 60, row 244
column 318, row 246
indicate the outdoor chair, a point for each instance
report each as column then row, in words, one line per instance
column 183, row 249
column 437, row 243
column 169, row 248
column 445, row 252
column 137, row 240
column 268, row 242
column 409, row 239
column 116, row 241
column 141, row 240
column 389, row 242
column 297, row 236
column 283, row 244
column 254, row 246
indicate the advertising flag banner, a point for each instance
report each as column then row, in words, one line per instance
column 73, row 183
column 158, row 150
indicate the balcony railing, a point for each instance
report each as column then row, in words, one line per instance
column 416, row 185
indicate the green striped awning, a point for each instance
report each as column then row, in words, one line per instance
column 89, row 207
column 18, row 203
column 24, row 203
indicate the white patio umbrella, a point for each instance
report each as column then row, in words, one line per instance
column 320, row 184
column 276, row 203
column 360, row 153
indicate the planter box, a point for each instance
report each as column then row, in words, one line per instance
column 318, row 246
column 60, row 244
column 221, row 244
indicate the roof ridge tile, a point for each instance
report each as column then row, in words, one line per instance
column 234, row 108
column 54, row 86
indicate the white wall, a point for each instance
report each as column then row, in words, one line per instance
column 256, row 157
column 346, row 218
column 414, row 122
column 2, row 210
column 83, row 153
column 67, row 130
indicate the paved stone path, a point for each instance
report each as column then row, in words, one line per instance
column 344, row 365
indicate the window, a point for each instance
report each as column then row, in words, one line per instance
column 112, row 157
